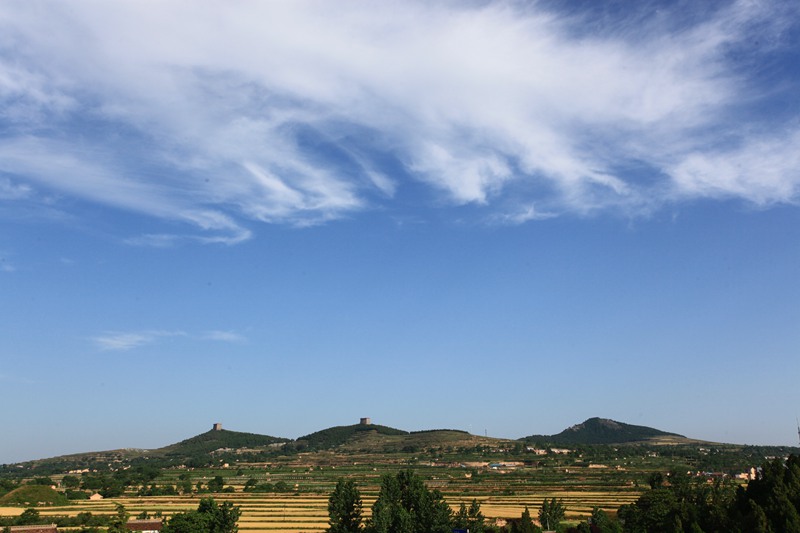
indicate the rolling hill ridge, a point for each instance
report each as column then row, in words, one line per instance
column 606, row 431
column 369, row 438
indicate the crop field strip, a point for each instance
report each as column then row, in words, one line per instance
column 301, row 513
column 502, row 493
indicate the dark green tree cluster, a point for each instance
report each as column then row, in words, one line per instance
column 158, row 490
column 216, row 484
column 599, row 522
column 254, row 486
column 524, row 524
column 210, row 517
column 344, row 508
column 683, row 504
column 28, row 517
column 551, row 514
column 84, row 521
column 113, row 485
column 771, row 503
column 404, row 505
column 679, row 503
column 471, row 518
column 119, row 522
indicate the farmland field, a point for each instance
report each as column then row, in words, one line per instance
column 287, row 490
column 502, row 494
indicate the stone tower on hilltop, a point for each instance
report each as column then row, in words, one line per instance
column 217, row 427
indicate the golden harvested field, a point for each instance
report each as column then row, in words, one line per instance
column 503, row 493
column 290, row 513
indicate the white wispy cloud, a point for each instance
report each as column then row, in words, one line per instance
column 123, row 341
column 764, row 170
column 303, row 112
column 223, row 336
column 13, row 191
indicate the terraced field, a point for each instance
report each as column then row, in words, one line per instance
column 302, row 513
column 503, row 493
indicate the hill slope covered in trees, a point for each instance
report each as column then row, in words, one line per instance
column 604, row 431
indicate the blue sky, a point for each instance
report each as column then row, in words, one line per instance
column 494, row 216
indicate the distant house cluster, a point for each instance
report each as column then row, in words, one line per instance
column 545, row 451
column 750, row 475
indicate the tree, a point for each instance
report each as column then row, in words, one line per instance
column 185, row 486
column 188, row 522
column 471, row 519
column 119, row 522
column 655, row 480
column 653, row 511
column 461, row 518
column 525, row 523
column 222, row 518
column 216, row 484
column 602, row 523
column 774, row 497
column 28, row 517
column 71, row 482
column 475, row 519
column 551, row 513
column 208, row 518
column 406, row 505
column 344, row 508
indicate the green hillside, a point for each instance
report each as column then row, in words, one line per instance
column 196, row 450
column 33, row 495
column 214, row 440
column 603, row 431
column 339, row 435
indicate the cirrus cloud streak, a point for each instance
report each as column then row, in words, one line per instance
column 303, row 112
column 129, row 340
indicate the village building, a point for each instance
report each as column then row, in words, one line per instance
column 42, row 528
column 145, row 525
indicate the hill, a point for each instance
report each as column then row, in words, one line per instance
column 217, row 440
column 377, row 439
column 232, row 446
column 606, row 431
column 34, row 495
column 338, row 435
column 197, row 450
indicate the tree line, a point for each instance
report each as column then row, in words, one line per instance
column 675, row 503
column 406, row 505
